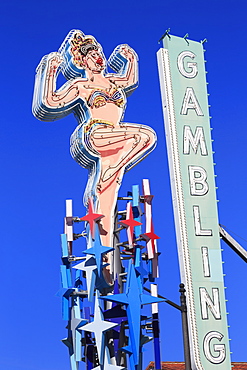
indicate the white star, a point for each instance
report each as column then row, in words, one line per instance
column 99, row 327
column 90, row 267
column 107, row 365
column 76, row 323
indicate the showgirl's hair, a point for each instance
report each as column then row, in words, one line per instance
column 73, row 49
column 80, row 46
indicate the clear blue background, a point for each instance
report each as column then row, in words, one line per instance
column 38, row 173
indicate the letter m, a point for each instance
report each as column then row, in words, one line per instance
column 194, row 140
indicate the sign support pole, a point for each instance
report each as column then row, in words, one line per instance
column 185, row 328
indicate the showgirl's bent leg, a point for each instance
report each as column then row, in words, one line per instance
column 120, row 147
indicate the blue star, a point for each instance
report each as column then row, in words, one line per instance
column 133, row 298
column 66, row 290
column 138, row 262
column 97, row 250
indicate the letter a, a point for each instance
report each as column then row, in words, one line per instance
column 190, row 102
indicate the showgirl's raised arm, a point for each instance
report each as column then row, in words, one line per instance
column 124, row 61
column 50, row 104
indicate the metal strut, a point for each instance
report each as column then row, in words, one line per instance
column 228, row 239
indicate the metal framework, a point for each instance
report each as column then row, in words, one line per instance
column 106, row 326
column 229, row 240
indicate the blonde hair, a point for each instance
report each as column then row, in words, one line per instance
column 80, row 46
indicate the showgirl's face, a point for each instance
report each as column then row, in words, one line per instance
column 95, row 61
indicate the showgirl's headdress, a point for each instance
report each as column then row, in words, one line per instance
column 80, row 46
column 73, row 49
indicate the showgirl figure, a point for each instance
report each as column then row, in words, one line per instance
column 102, row 142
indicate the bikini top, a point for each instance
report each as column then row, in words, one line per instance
column 97, row 98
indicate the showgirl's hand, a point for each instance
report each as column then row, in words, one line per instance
column 127, row 52
column 55, row 59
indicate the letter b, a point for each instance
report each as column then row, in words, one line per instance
column 198, row 183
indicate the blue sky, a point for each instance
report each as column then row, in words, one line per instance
column 38, row 173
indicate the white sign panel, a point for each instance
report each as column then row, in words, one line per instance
column 185, row 107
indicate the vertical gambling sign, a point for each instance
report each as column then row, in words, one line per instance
column 185, row 107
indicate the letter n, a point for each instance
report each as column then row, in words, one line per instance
column 207, row 302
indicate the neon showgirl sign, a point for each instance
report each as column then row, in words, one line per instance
column 102, row 142
column 107, row 147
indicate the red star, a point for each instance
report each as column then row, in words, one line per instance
column 130, row 223
column 91, row 217
column 150, row 238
